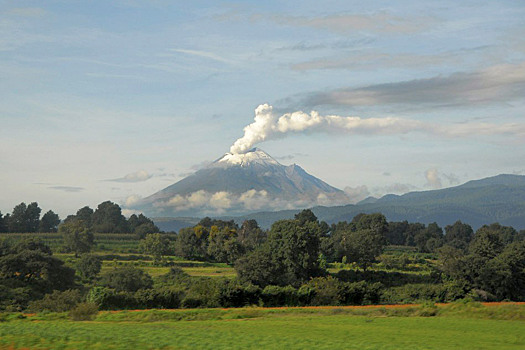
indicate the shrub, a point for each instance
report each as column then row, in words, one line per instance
column 127, row 278
column 57, row 301
column 326, row 291
column 84, row 312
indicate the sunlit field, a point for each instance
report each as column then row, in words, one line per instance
column 456, row 326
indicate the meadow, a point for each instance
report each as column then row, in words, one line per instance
column 428, row 326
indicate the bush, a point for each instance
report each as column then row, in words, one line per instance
column 233, row 294
column 57, row 301
column 84, row 312
column 362, row 293
column 279, row 296
column 128, row 279
column 326, row 291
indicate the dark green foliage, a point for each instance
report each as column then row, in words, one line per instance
column 429, row 239
column 84, row 312
column 223, row 245
column 57, row 301
column 282, row 296
column 192, row 243
column 88, row 266
column 141, row 225
column 250, row 235
column 25, row 218
column 363, row 240
column 49, row 222
column 78, row 238
column 156, row 245
column 3, row 223
column 28, row 271
column 326, row 291
column 231, row 293
column 458, row 235
column 108, row 218
column 259, row 268
column 127, row 278
column 305, row 216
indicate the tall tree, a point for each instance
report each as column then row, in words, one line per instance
column 33, row 217
column 458, row 235
column 108, row 218
column 49, row 222
column 78, row 238
column 3, row 223
column 156, row 245
column 17, row 220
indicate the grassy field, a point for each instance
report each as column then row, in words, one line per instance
column 453, row 327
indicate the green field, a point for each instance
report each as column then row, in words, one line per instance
column 454, row 327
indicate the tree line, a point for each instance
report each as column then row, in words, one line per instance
column 106, row 218
column 285, row 265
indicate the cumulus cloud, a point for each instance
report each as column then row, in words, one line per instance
column 132, row 200
column 498, row 83
column 433, row 178
column 138, row 176
column 268, row 125
column 357, row 194
column 222, row 201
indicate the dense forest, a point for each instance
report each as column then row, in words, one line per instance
column 301, row 261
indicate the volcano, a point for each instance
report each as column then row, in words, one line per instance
column 237, row 184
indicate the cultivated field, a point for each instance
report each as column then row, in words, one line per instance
column 454, row 326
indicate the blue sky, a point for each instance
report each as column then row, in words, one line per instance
column 117, row 100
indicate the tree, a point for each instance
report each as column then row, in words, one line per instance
column 296, row 247
column 108, row 218
column 17, row 220
column 363, row 246
column 28, row 271
column 25, row 218
column 128, row 279
column 250, row 235
column 429, row 239
column 32, row 217
column 363, row 240
column 290, row 255
column 156, row 245
column 223, row 245
column 458, row 235
column 49, row 222
column 77, row 237
column 141, row 225
column 3, row 223
column 85, row 214
column 305, row 216
column 488, row 242
column 88, row 266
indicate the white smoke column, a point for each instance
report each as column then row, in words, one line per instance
column 268, row 126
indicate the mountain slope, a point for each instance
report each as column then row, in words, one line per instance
column 241, row 183
column 496, row 199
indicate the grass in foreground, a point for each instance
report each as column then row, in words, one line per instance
column 458, row 326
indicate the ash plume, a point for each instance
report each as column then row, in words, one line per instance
column 269, row 126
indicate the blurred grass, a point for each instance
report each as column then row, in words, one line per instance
column 456, row 326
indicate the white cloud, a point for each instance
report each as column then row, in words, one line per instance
column 138, row 176
column 433, row 178
column 356, row 194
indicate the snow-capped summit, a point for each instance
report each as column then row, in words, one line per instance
column 253, row 156
column 242, row 183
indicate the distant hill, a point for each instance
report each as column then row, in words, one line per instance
column 495, row 199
